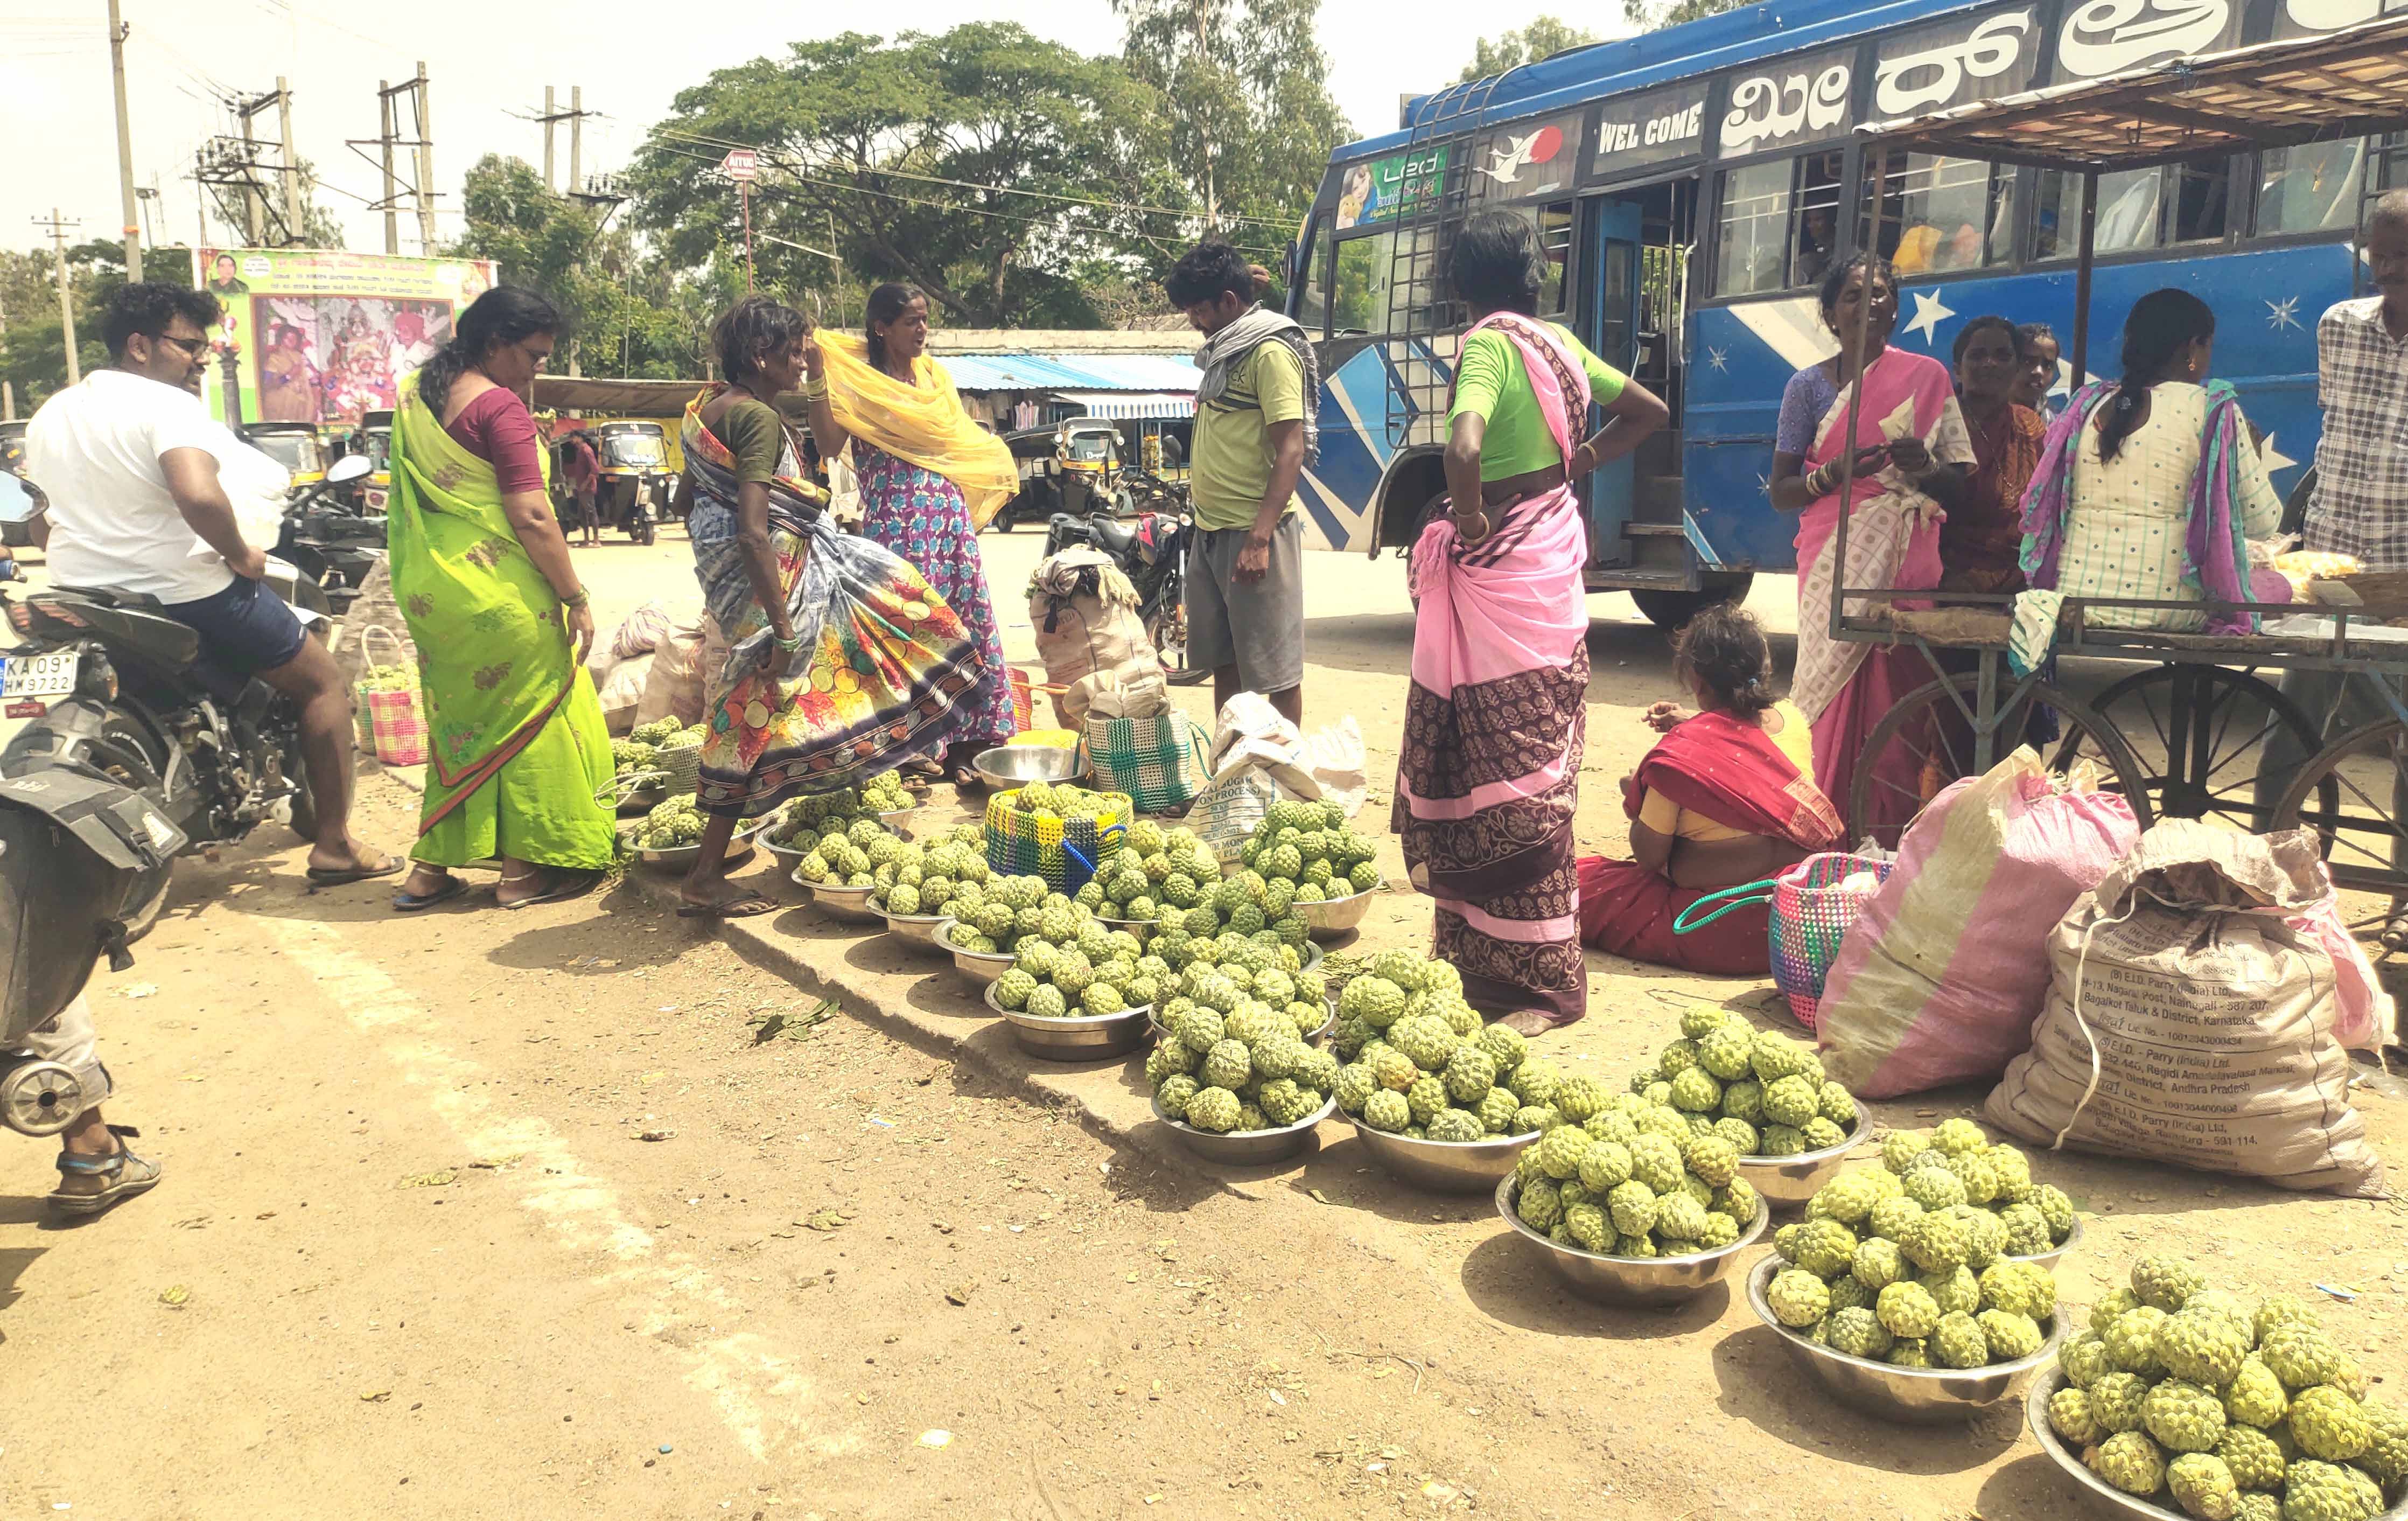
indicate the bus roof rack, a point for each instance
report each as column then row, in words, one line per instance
column 2348, row 83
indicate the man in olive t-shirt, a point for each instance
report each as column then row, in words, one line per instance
column 1245, row 571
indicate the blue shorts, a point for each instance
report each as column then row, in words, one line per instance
column 245, row 629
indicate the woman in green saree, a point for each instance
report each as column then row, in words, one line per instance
column 516, row 747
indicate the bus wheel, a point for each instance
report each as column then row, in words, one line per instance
column 1669, row 611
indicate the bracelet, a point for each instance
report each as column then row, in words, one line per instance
column 790, row 646
column 816, row 388
column 582, row 597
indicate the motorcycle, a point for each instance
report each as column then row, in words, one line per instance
column 1151, row 548
column 330, row 536
column 126, row 714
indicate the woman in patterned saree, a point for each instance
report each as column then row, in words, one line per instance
column 841, row 660
column 516, row 747
column 1909, row 446
column 1489, row 777
column 930, row 479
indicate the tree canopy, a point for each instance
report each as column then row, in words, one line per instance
column 977, row 165
column 1543, row 38
column 1654, row 17
column 33, row 353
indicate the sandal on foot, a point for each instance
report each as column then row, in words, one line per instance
column 409, row 902
column 746, row 905
column 117, row 1176
column 565, row 886
column 344, row 876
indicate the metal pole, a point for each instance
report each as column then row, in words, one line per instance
column 549, row 181
column 66, row 296
column 117, row 32
column 252, row 212
column 576, row 138
column 2082, row 281
column 425, row 163
column 296, row 234
column 384, row 127
column 1855, row 343
column 744, row 196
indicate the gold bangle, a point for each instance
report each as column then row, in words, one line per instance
column 816, row 388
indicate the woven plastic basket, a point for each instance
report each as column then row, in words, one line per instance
column 683, row 764
column 1813, row 909
column 1062, row 851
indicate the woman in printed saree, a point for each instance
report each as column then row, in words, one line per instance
column 1726, row 796
column 516, row 748
column 929, row 480
column 2148, row 488
column 1984, row 536
column 841, row 660
column 1489, row 777
column 1910, row 447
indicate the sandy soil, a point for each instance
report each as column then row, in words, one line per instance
column 416, row 1254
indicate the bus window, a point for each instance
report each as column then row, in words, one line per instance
column 2138, row 208
column 1312, row 300
column 1945, row 214
column 1752, row 245
column 2309, row 189
column 1818, row 217
column 1358, row 302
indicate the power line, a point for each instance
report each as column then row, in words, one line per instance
column 775, row 155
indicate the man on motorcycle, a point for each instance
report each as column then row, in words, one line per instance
column 130, row 461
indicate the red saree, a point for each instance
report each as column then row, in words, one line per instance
column 1730, row 771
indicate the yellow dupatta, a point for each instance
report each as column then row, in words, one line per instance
column 922, row 422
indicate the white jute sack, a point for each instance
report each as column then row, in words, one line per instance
column 2188, row 1021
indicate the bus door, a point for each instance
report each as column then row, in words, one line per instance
column 1616, row 226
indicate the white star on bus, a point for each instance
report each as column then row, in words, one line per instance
column 1928, row 314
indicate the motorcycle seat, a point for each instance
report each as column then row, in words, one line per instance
column 1114, row 538
column 135, row 620
column 107, row 598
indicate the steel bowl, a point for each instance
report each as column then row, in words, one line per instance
column 1008, row 767
column 642, row 800
column 787, row 856
column 1327, row 1026
column 2049, row 1259
column 1646, row 1281
column 981, row 967
column 1142, row 929
column 898, row 821
column 1333, row 917
column 1081, row 1038
column 1445, row 1167
column 1911, row 1396
column 1786, row 1182
column 1249, row 1148
column 681, row 857
column 839, row 902
column 920, row 927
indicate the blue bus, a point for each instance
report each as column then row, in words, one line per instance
column 1691, row 187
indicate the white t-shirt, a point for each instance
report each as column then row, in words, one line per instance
column 95, row 451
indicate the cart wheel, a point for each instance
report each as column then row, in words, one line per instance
column 2199, row 734
column 2352, row 795
column 1928, row 737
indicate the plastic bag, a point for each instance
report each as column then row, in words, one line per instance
column 1334, row 756
column 2188, row 1021
column 1941, row 977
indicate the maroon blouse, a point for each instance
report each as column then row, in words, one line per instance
column 498, row 428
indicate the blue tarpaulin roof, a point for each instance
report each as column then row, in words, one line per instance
column 1069, row 372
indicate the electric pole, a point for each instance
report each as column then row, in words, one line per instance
column 550, row 182
column 392, row 192
column 66, row 297
column 576, row 138
column 117, row 32
column 294, row 235
column 425, row 165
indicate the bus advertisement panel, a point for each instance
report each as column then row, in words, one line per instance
column 324, row 336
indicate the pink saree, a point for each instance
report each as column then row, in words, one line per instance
column 1490, row 771
column 1843, row 689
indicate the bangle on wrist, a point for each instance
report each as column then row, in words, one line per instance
column 815, row 388
column 577, row 599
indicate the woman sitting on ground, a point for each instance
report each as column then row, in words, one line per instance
column 2148, row 488
column 1726, row 796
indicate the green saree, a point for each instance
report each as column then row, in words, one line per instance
column 516, row 747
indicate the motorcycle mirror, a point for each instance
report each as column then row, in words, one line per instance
column 349, row 467
column 17, row 506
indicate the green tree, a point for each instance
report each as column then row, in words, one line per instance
column 561, row 248
column 32, row 355
column 1651, row 17
column 976, row 165
column 1545, row 37
column 1252, row 120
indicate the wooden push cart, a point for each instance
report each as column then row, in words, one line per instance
column 2187, row 733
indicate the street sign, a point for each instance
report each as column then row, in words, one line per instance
column 741, row 165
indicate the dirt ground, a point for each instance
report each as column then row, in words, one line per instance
column 546, row 1214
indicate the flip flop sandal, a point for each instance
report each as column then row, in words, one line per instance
column 747, row 905
column 418, row 903
column 568, row 885
column 128, row 1175
column 345, row 876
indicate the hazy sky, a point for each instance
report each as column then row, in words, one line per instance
column 488, row 61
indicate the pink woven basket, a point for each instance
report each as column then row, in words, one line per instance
column 1813, row 911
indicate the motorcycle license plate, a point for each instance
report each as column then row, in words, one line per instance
column 39, row 676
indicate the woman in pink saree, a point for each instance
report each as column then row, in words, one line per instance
column 1910, row 450
column 1489, row 777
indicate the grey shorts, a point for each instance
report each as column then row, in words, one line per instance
column 1255, row 625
